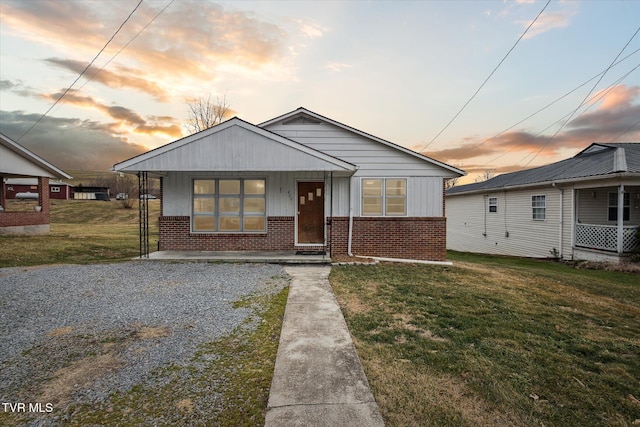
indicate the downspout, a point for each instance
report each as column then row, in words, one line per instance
column 350, row 231
column 331, row 213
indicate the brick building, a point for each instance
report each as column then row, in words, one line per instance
column 18, row 162
column 298, row 182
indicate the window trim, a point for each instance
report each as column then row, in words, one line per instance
column 384, row 196
column 217, row 215
column 543, row 208
column 55, row 189
column 493, row 205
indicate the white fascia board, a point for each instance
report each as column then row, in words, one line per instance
column 50, row 170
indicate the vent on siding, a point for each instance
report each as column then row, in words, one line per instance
column 302, row 120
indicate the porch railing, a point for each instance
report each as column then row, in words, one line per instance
column 605, row 237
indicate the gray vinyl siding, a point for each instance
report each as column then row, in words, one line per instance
column 509, row 231
column 373, row 158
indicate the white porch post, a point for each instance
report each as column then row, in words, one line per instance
column 620, row 224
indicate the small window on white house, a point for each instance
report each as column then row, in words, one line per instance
column 384, row 197
column 538, row 208
column 55, row 189
column 613, row 206
column 493, row 204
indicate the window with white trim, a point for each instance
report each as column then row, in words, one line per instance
column 384, row 196
column 229, row 205
column 493, row 204
column 613, row 206
column 55, row 189
column 538, row 207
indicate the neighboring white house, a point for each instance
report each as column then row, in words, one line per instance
column 586, row 208
column 300, row 181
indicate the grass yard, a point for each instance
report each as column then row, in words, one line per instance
column 496, row 341
column 82, row 231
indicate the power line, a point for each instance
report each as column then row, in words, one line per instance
column 583, row 101
column 555, row 101
column 593, row 100
column 487, row 79
column 127, row 44
column 81, row 74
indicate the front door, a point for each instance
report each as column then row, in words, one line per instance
column 311, row 213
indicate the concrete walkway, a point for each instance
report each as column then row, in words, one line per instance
column 318, row 379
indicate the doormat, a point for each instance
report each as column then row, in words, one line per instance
column 311, row 253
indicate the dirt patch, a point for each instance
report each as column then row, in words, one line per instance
column 185, row 405
column 60, row 331
column 147, row 332
column 79, row 375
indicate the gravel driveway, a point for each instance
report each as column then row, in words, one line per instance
column 125, row 319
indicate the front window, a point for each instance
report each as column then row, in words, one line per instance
column 384, row 197
column 229, row 205
column 613, row 206
column 538, row 208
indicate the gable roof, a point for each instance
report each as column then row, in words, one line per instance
column 234, row 145
column 17, row 161
column 597, row 160
column 304, row 114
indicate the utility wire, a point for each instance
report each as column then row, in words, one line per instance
column 127, row 45
column 81, row 74
column 555, row 101
column 487, row 79
column 626, row 131
column 593, row 100
column 583, row 101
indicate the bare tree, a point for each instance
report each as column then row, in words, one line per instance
column 486, row 175
column 451, row 182
column 205, row 113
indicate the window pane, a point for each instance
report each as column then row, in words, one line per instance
column 254, row 223
column 230, row 205
column 254, row 205
column 202, row 204
column 372, row 206
column 204, row 223
column 229, row 186
column 372, row 187
column 396, row 187
column 254, row 186
column 229, row 223
column 395, row 206
column 204, row 186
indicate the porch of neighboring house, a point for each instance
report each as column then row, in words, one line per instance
column 606, row 222
column 26, row 217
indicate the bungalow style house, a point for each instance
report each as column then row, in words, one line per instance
column 298, row 182
column 18, row 162
column 583, row 208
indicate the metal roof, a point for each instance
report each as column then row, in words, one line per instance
column 597, row 160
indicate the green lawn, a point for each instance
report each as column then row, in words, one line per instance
column 496, row 341
column 82, row 231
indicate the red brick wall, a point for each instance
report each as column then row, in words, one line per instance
column 175, row 234
column 19, row 219
column 412, row 238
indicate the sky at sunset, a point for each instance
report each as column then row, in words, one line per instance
column 398, row 70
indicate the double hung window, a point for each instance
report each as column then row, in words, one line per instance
column 229, row 205
column 538, row 208
column 613, row 206
column 493, row 204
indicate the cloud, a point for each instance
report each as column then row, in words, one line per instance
column 189, row 43
column 124, row 77
column 616, row 118
column 546, row 22
column 127, row 119
column 311, row 31
column 69, row 143
column 336, row 67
